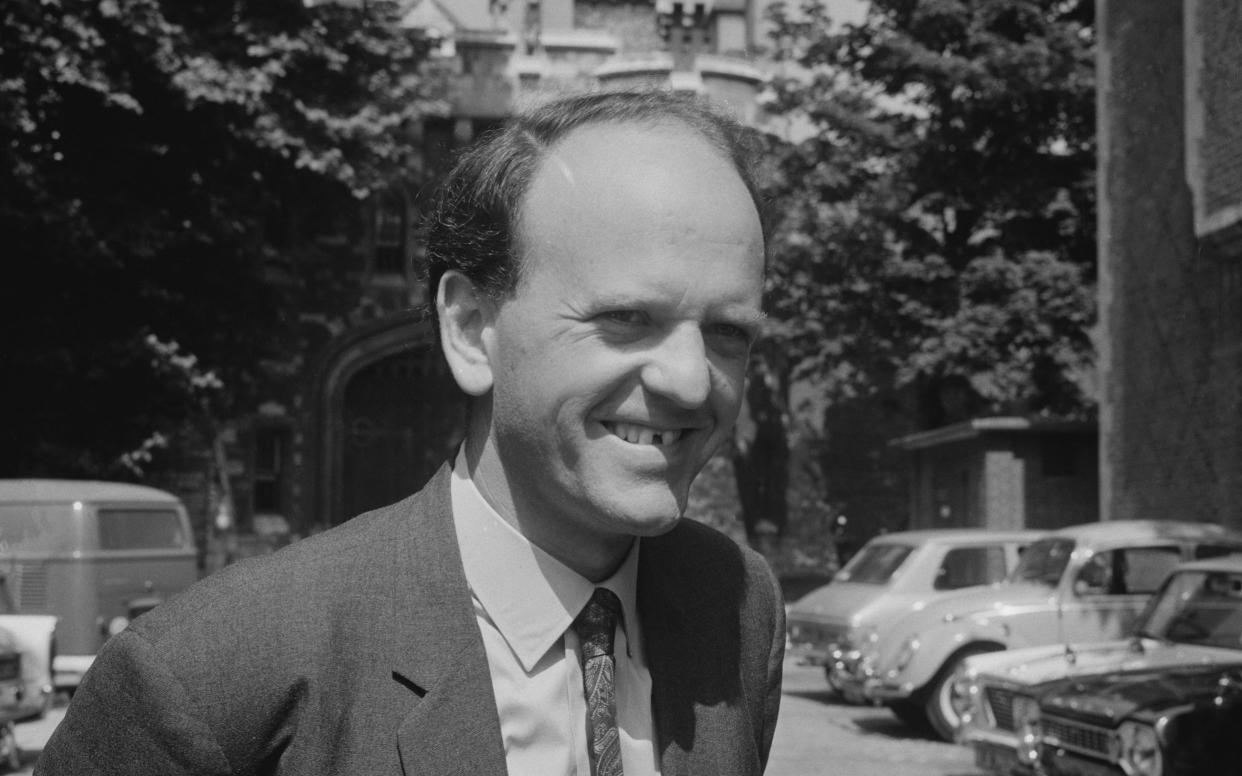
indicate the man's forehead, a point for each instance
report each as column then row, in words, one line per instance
column 613, row 145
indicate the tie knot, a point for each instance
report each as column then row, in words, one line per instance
column 597, row 622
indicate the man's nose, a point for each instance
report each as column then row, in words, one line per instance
column 678, row 368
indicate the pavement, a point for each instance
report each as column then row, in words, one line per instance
column 31, row 736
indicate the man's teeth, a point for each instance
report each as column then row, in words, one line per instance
column 645, row 435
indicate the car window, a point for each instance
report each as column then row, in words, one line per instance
column 1044, row 562
column 969, row 566
column 1126, row 571
column 1198, row 607
column 1215, row 550
column 875, row 564
column 140, row 529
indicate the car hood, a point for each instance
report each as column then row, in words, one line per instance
column 1110, row 697
column 836, row 602
column 1035, row 666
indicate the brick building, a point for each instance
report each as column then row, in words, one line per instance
column 1004, row 473
column 1170, row 192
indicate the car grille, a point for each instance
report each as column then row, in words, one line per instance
column 1000, row 701
column 30, row 586
column 10, row 667
column 1077, row 736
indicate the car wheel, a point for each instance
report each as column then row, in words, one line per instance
column 910, row 713
column 943, row 704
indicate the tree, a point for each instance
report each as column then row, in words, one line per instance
column 934, row 249
column 161, row 165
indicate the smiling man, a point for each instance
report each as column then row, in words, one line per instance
column 542, row 606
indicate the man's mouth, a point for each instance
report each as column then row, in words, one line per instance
column 637, row 434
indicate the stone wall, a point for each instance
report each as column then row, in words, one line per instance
column 1171, row 305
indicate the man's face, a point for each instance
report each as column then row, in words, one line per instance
column 618, row 364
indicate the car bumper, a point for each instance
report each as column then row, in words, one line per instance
column 1059, row 763
column 67, row 670
column 1000, row 759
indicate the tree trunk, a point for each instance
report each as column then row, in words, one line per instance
column 761, row 447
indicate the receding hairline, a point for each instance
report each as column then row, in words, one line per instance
column 673, row 124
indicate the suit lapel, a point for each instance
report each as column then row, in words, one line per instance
column 439, row 654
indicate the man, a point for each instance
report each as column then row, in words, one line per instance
column 540, row 607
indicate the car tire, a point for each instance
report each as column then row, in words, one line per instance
column 939, row 699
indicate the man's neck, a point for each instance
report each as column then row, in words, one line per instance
column 595, row 558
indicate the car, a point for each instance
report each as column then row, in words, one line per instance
column 1078, row 584
column 12, row 690
column 1006, row 687
column 893, row 573
column 1152, row 718
column 93, row 556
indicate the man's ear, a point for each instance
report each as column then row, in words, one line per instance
column 466, row 317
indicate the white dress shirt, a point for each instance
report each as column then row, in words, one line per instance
column 524, row 602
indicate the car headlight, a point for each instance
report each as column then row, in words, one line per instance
column 859, row 646
column 1140, row 750
column 1026, row 725
column 966, row 686
column 116, row 625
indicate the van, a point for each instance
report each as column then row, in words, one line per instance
column 93, row 554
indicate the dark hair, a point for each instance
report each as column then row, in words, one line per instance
column 472, row 228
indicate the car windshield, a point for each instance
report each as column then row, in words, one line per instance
column 1043, row 562
column 1197, row 607
column 38, row 528
column 875, row 564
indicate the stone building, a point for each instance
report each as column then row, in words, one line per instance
column 1170, row 194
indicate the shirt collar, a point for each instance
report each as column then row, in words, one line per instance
column 530, row 596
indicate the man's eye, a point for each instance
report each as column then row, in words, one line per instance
column 624, row 317
column 730, row 331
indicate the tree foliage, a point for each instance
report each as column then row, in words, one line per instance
column 159, row 164
column 934, row 246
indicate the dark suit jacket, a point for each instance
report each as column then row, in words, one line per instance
column 356, row 652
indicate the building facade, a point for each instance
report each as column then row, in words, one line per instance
column 1004, row 473
column 1170, row 193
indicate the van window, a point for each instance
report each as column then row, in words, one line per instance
column 38, row 528
column 140, row 529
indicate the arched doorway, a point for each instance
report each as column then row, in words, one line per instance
column 388, row 414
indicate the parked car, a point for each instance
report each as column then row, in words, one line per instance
column 891, row 574
column 92, row 554
column 1079, row 584
column 33, row 636
column 12, row 690
column 1153, row 718
column 1181, row 633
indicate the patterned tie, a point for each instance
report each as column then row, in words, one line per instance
column 595, row 626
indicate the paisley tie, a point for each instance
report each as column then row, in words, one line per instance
column 595, row 626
